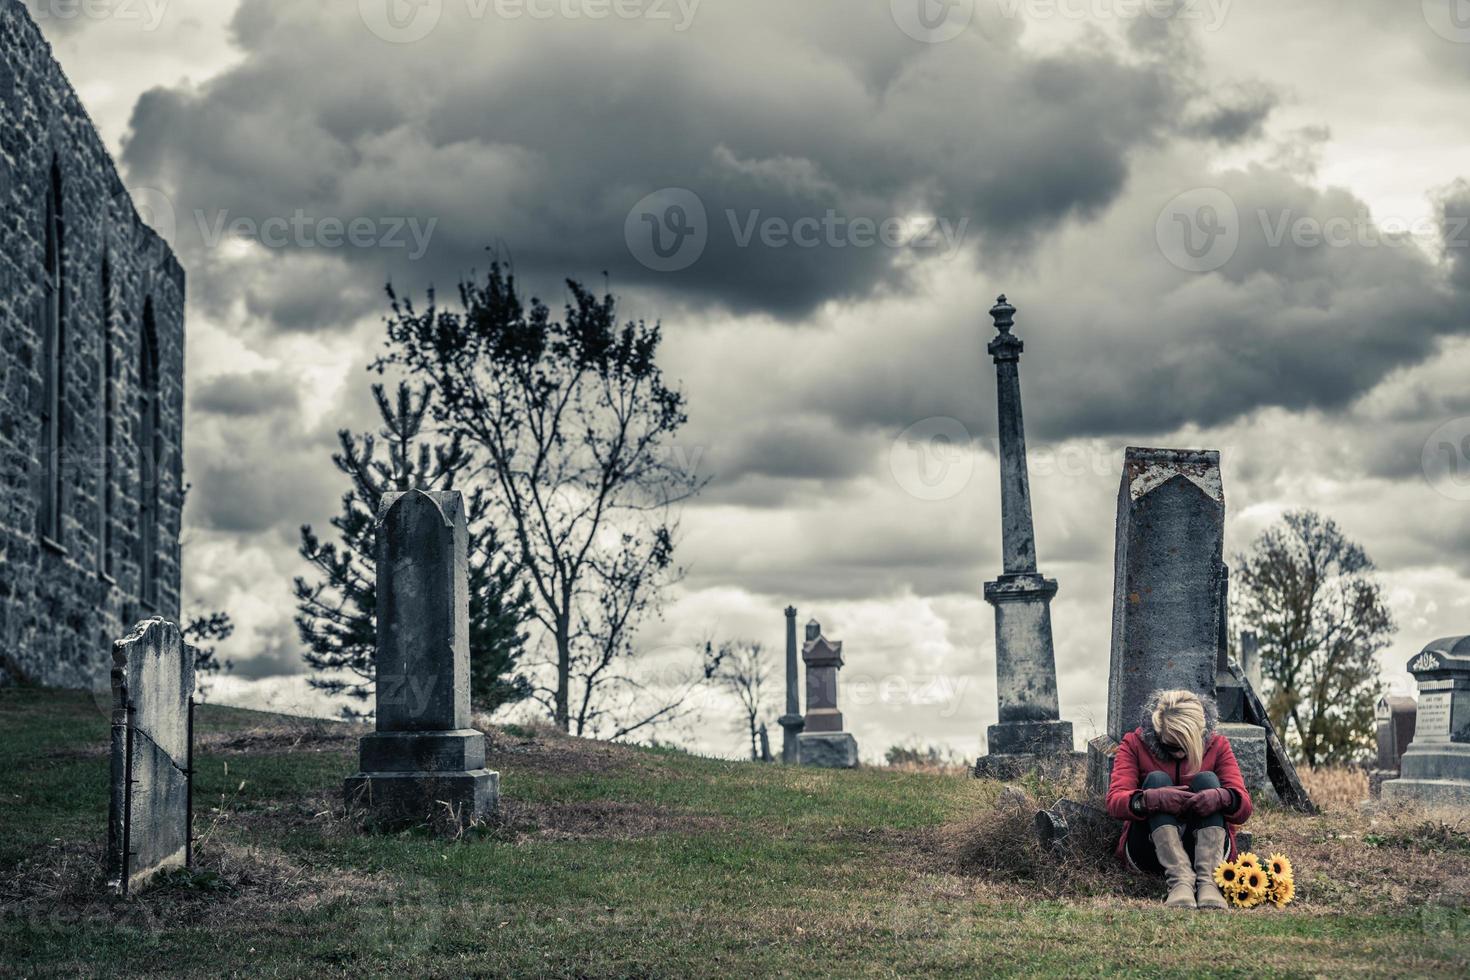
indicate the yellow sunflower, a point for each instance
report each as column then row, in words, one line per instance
column 1247, row 899
column 1248, row 860
column 1227, row 876
column 1279, row 865
column 1283, row 890
column 1253, row 885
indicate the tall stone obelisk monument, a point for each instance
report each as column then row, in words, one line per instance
column 791, row 722
column 1025, row 665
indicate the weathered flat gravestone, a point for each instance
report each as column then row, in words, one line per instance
column 424, row 759
column 1436, row 766
column 823, row 743
column 149, row 810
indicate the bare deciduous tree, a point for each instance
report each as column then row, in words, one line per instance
column 742, row 670
column 1320, row 619
column 573, row 424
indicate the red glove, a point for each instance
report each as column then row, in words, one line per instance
column 1210, row 801
column 1167, row 799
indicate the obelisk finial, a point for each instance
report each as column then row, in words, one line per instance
column 1004, row 346
column 1004, row 314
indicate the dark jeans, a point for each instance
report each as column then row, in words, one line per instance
column 1141, row 845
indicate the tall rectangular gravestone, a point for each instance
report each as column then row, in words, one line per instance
column 149, row 808
column 1168, row 598
column 424, row 757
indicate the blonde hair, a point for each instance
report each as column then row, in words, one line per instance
column 1179, row 718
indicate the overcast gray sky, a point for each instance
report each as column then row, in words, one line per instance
column 1230, row 225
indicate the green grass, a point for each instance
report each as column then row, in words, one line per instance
column 616, row 862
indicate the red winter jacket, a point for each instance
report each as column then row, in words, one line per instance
column 1141, row 753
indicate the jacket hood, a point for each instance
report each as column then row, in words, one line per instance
column 1150, row 736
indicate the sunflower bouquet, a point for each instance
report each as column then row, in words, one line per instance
column 1247, row 882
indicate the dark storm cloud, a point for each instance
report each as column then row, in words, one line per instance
column 277, row 654
column 245, row 394
column 258, row 470
column 1316, row 301
column 1320, row 301
column 798, row 449
column 543, row 137
column 1238, row 116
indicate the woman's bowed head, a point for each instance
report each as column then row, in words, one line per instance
column 1177, row 788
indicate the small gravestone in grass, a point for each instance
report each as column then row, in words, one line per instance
column 424, row 761
column 150, row 808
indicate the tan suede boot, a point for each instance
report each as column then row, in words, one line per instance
column 1169, row 847
column 1209, row 851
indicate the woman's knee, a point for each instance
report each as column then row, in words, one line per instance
column 1156, row 780
column 1204, row 780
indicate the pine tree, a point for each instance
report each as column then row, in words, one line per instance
column 335, row 615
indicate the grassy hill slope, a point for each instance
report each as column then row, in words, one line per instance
column 614, row 861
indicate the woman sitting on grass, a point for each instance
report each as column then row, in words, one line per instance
column 1177, row 788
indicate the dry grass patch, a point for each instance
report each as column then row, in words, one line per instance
column 66, row 884
column 998, row 842
column 1335, row 788
column 285, row 735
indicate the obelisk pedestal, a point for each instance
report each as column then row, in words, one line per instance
column 1030, row 728
column 424, row 760
column 791, row 722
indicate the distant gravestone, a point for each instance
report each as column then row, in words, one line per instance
column 1435, row 768
column 150, row 805
column 424, row 758
column 1394, row 718
column 791, row 722
column 823, row 743
column 1250, row 660
column 1396, row 715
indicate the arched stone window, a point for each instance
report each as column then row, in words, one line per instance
column 107, row 476
column 150, row 451
column 53, row 345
